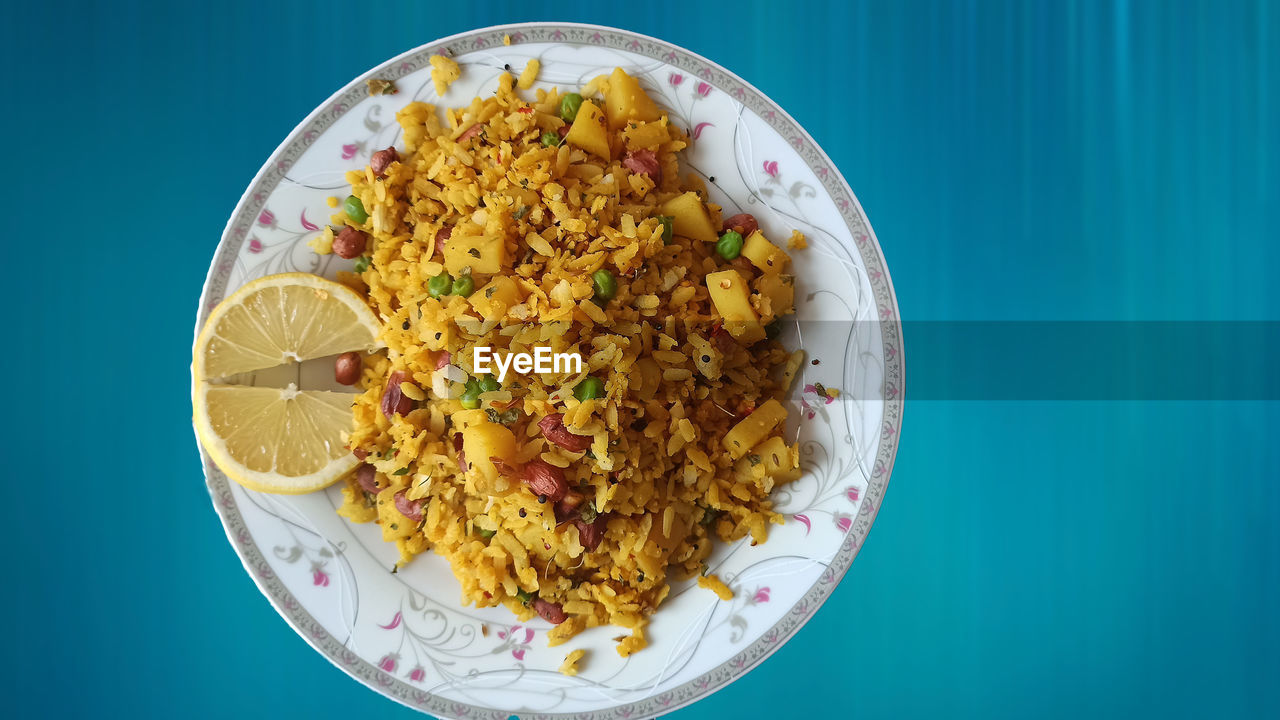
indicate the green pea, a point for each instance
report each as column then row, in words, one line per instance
column 590, row 387
column 668, row 223
column 569, row 106
column 464, row 285
column 489, row 384
column 550, row 138
column 471, row 396
column 606, row 286
column 355, row 210
column 486, row 534
column 440, row 285
column 730, row 245
column 362, row 263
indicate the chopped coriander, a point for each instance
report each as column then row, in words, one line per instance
column 506, row 417
column 668, row 223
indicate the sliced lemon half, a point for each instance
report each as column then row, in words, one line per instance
column 278, row 440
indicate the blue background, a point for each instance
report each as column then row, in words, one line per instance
column 1030, row 161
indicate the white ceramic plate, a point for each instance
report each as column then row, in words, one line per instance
column 406, row 635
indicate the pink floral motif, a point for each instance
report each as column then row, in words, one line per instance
column 596, row 38
column 843, row 522
column 771, row 168
column 510, row 636
column 675, row 79
column 255, row 245
column 697, row 129
column 633, row 44
column 704, row 89
column 762, row 595
column 852, row 494
column 307, row 223
column 266, row 218
column 517, row 37
column 558, row 35
column 349, row 151
column 388, row 662
column 395, row 623
column 803, row 520
column 319, row 577
column 810, row 397
column 814, row 390
column 669, row 56
column 418, row 674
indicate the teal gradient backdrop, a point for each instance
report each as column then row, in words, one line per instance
column 1019, row 161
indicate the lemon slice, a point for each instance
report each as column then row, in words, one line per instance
column 278, row 318
column 275, row 440
column 278, row 440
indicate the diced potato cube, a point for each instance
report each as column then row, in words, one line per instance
column 781, row 291
column 627, row 102
column 691, row 218
column 494, row 299
column 589, row 131
column 730, row 295
column 752, row 429
column 482, row 253
column 763, row 254
column 774, row 458
column 646, row 136
column 464, row 418
column 483, row 440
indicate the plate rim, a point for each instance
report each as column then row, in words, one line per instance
column 772, row 639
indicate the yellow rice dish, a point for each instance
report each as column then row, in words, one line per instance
column 533, row 219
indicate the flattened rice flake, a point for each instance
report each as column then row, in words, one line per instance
column 715, row 584
column 570, row 665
